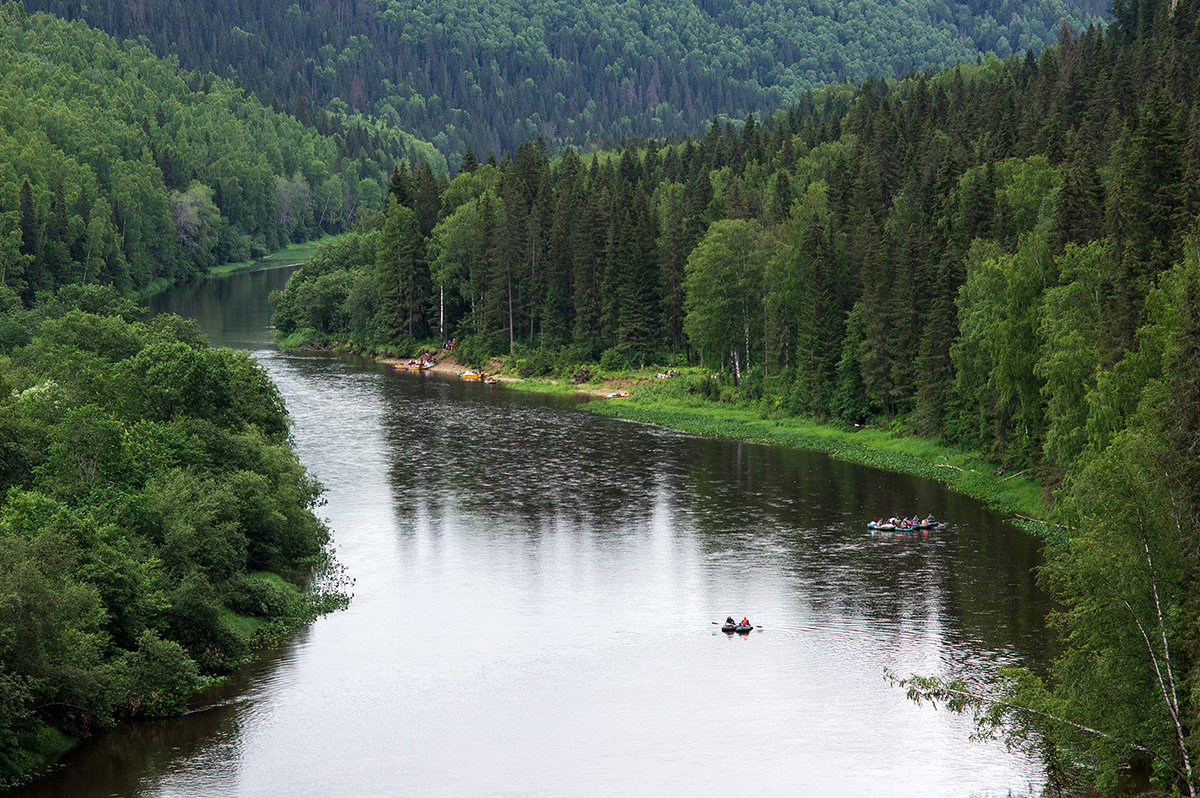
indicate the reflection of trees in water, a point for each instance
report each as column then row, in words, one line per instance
column 528, row 463
column 232, row 309
column 139, row 758
column 972, row 580
column 517, row 459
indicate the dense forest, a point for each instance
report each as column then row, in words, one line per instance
column 1004, row 256
column 459, row 72
column 153, row 514
column 120, row 168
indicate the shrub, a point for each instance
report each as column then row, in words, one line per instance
column 613, row 359
column 470, row 351
column 161, row 676
column 538, row 364
column 250, row 595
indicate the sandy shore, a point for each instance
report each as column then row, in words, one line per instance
column 446, row 364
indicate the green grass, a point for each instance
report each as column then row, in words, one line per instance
column 289, row 255
column 534, row 385
column 244, row 626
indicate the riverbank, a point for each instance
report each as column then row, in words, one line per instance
column 1014, row 495
column 160, row 535
column 665, row 403
column 291, row 255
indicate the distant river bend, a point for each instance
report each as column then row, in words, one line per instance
column 534, row 603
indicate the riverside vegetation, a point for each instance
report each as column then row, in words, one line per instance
column 1002, row 256
column 156, row 524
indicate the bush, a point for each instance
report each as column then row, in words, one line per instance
column 161, row 676
column 613, row 359
column 194, row 619
column 251, row 595
column 703, row 386
column 577, row 354
column 471, row 351
column 538, row 364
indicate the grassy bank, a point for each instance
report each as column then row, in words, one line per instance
column 288, row 256
column 694, row 402
column 673, row 403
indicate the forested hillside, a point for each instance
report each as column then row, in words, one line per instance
column 492, row 74
column 1004, row 256
column 119, row 168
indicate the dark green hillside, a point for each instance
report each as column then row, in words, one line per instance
column 492, row 74
column 119, row 168
column 1003, row 256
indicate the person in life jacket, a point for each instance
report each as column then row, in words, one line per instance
column 745, row 622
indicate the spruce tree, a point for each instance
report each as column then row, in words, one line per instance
column 469, row 163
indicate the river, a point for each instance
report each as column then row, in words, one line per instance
column 534, row 598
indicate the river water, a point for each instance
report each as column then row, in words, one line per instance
column 534, row 598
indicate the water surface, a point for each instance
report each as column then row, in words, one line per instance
column 534, row 602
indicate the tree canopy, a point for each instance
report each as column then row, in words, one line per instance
column 493, row 74
column 119, row 168
column 148, row 487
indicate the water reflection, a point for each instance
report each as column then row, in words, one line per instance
column 535, row 594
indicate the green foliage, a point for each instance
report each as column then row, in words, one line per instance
column 723, row 292
column 161, row 676
column 612, row 359
column 147, row 481
column 487, row 76
column 121, row 169
column 1000, row 256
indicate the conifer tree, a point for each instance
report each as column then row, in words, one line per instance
column 469, row 163
column 400, row 185
column 674, row 244
column 396, row 269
